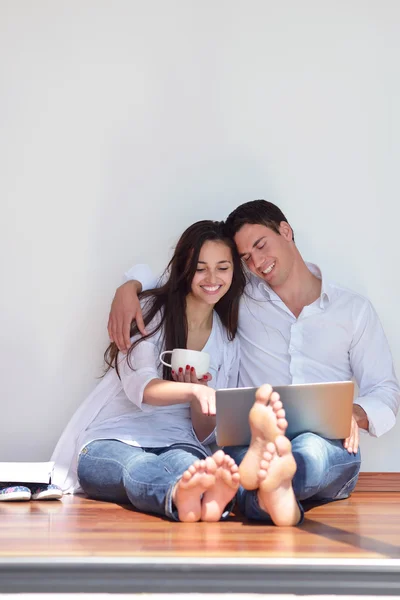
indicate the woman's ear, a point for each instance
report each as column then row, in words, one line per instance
column 286, row 231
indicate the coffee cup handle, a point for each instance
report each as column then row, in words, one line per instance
column 163, row 361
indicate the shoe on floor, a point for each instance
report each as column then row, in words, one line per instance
column 43, row 491
column 10, row 492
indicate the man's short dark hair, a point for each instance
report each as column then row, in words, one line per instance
column 256, row 212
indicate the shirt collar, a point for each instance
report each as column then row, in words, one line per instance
column 315, row 270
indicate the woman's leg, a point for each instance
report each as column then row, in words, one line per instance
column 101, row 467
column 113, row 471
column 174, row 481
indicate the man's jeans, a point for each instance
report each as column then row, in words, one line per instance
column 117, row 472
column 325, row 472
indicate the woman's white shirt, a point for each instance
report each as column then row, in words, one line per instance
column 115, row 409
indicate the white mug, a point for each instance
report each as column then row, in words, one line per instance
column 182, row 357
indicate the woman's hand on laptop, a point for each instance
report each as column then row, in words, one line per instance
column 351, row 443
column 188, row 375
column 203, row 400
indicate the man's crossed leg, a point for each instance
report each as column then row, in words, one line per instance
column 276, row 474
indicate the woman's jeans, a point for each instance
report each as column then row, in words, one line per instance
column 116, row 472
column 325, row 472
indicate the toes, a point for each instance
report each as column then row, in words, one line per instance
column 270, row 447
column 226, row 462
column 219, row 457
column 229, row 475
column 210, row 464
column 282, row 424
column 276, row 405
column 187, row 475
column 283, row 445
column 262, row 474
column 280, row 414
column 263, row 393
column 230, row 464
column 197, row 467
column 275, row 398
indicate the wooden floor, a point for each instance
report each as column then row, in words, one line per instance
column 79, row 545
column 367, row 525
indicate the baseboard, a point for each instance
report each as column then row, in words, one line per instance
column 378, row 482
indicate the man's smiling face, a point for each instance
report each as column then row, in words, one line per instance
column 267, row 254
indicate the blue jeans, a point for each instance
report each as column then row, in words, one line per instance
column 116, row 472
column 325, row 472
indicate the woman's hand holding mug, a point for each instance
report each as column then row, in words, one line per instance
column 191, row 366
column 189, row 375
column 188, row 366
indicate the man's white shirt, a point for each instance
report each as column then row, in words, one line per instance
column 336, row 338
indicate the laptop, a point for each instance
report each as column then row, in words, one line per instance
column 322, row 408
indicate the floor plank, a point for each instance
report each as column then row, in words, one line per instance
column 378, row 482
column 367, row 525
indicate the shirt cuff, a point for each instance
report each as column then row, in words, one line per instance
column 380, row 417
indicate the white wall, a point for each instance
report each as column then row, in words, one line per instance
column 122, row 122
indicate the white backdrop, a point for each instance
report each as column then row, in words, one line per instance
column 122, row 122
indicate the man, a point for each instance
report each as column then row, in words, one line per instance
column 295, row 327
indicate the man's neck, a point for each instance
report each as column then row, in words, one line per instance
column 300, row 289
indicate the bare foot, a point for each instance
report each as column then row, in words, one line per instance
column 267, row 421
column 275, row 492
column 227, row 480
column 189, row 490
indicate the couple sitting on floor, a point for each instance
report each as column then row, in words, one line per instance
column 143, row 436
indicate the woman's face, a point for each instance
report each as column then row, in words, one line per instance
column 214, row 272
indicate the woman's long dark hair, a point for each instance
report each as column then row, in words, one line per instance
column 169, row 300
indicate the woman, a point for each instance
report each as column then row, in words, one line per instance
column 142, row 435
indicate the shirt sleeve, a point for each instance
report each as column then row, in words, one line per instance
column 141, row 273
column 372, row 365
column 144, row 360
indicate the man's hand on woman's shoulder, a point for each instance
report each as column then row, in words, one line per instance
column 125, row 308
